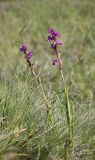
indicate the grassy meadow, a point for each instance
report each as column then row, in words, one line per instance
column 25, row 131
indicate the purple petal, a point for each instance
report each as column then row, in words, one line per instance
column 58, row 42
column 50, row 38
column 56, row 34
column 51, row 30
column 29, row 54
column 54, row 61
column 23, row 48
column 52, row 46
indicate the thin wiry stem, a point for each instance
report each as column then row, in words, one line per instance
column 68, row 107
column 38, row 78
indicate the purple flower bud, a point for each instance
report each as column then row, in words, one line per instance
column 29, row 54
column 23, row 48
column 58, row 42
column 54, row 61
column 50, row 31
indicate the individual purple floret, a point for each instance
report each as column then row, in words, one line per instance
column 52, row 46
column 54, row 61
column 29, row 54
column 23, row 48
column 51, row 30
column 58, row 42
column 50, row 38
column 53, row 33
column 56, row 34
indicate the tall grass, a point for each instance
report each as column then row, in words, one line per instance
column 24, row 133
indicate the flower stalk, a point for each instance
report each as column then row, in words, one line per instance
column 55, row 44
column 28, row 56
column 68, row 107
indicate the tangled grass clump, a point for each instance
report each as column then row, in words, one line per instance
column 47, row 94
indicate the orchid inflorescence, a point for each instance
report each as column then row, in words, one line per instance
column 28, row 54
column 55, row 43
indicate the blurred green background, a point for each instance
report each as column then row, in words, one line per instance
column 28, row 22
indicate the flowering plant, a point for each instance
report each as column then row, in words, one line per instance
column 55, row 44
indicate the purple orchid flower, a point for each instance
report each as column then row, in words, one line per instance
column 52, row 46
column 23, row 48
column 50, row 31
column 58, row 42
column 56, row 34
column 29, row 54
column 50, row 38
column 54, row 61
column 53, row 33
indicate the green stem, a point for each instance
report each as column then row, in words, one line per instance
column 35, row 74
column 68, row 107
